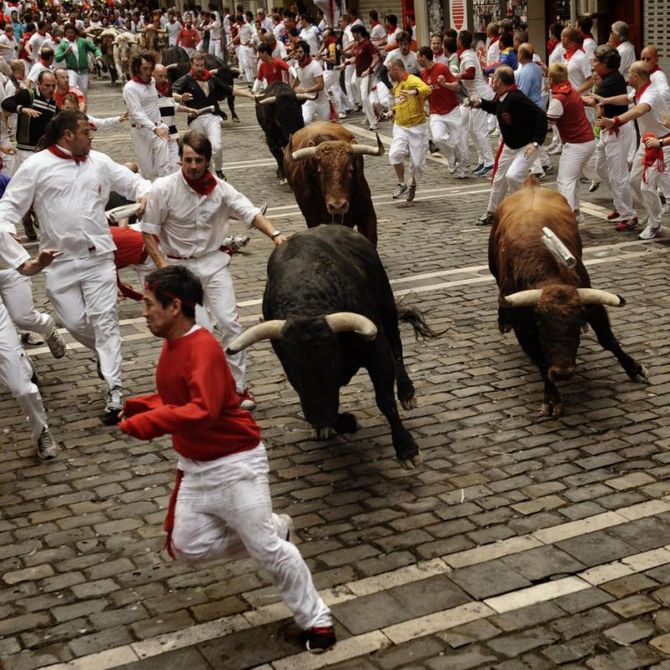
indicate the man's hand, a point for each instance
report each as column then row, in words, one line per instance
column 652, row 143
column 7, row 149
column 529, row 151
column 124, row 117
column 185, row 97
column 605, row 123
column 475, row 102
column 32, row 113
column 142, row 202
column 280, row 239
column 35, row 265
column 162, row 133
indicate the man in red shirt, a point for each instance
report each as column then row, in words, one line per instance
column 446, row 124
column 188, row 38
column 271, row 69
column 366, row 60
column 220, row 506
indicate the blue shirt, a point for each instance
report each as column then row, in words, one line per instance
column 529, row 81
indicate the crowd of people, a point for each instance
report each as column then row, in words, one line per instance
column 608, row 114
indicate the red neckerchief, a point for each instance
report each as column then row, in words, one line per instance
column 57, row 151
column 563, row 87
column 438, row 53
column 459, row 53
column 651, row 157
column 588, row 36
column 206, row 74
column 551, row 45
column 137, row 79
column 374, row 23
column 494, row 40
column 164, row 88
column 654, row 69
column 569, row 53
column 404, row 76
column 202, row 186
column 641, row 90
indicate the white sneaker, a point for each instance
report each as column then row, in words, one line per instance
column 56, row 344
column 235, row 242
column 113, row 404
column 342, row 115
column 650, row 232
column 47, row 447
column 399, row 191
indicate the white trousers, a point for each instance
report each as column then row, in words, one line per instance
column 412, row 143
column 353, row 95
column 78, row 80
column 612, row 167
column 509, row 172
column 219, row 298
column 83, row 292
column 447, row 133
column 153, row 153
column 363, row 84
column 331, row 82
column 16, row 372
column 573, row 160
column 646, row 185
column 17, row 295
column 225, row 511
column 315, row 110
column 210, row 126
column 476, row 121
column 247, row 62
column 215, row 48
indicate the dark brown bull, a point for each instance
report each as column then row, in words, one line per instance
column 545, row 302
column 324, row 167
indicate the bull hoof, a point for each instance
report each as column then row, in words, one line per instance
column 641, row 376
column 346, row 423
column 408, row 403
column 321, row 434
column 504, row 329
column 552, row 409
column 283, row 181
column 412, row 463
column 236, row 119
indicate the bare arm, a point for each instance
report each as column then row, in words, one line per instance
column 151, row 245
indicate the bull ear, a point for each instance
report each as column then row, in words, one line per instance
column 341, row 322
column 528, row 298
column 594, row 296
column 268, row 330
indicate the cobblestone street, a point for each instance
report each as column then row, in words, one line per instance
column 521, row 542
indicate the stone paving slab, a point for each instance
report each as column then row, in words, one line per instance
column 81, row 565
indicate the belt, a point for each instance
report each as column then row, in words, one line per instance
column 223, row 248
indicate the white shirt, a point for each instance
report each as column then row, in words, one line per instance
column 312, row 37
column 493, row 53
column 215, row 30
column 172, row 31
column 557, row 55
column 392, row 38
column 307, row 76
column 278, row 31
column 246, row 34
column 8, row 47
column 142, row 103
column 579, row 68
column 279, row 51
column 36, row 42
column 12, row 254
column 652, row 121
column 659, row 79
column 410, row 61
column 627, row 52
column 377, row 33
column 477, row 86
column 35, row 72
column 69, row 198
column 589, row 47
column 188, row 224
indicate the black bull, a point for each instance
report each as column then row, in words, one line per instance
column 178, row 64
column 329, row 311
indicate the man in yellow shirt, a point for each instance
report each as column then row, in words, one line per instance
column 410, row 130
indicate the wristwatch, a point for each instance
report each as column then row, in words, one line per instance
column 276, row 233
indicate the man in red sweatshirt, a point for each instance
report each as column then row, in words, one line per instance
column 220, row 506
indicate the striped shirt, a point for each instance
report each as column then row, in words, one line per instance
column 166, row 107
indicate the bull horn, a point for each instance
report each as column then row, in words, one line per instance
column 268, row 330
column 527, row 298
column 267, row 101
column 306, row 96
column 367, row 150
column 341, row 322
column 172, row 66
column 303, row 154
column 214, row 71
column 594, row 296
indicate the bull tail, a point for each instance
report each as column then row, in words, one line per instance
column 416, row 319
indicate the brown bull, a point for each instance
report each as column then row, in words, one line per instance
column 544, row 301
column 324, row 167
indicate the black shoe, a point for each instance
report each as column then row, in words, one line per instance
column 220, row 175
column 319, row 639
column 486, row 220
column 478, row 168
column 432, row 147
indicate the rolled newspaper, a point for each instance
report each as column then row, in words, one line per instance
column 124, row 212
column 557, row 248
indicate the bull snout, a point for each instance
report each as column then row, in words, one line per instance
column 560, row 373
column 338, row 206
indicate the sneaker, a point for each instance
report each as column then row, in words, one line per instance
column 47, row 447
column 399, row 191
column 411, row 191
column 622, row 226
column 234, row 243
column 478, row 168
column 485, row 170
column 432, row 147
column 220, row 175
column 236, row 119
column 247, row 401
column 594, row 186
column 373, row 127
column 56, row 344
column 319, row 639
column 613, row 215
column 485, row 220
column 650, row 232
column 113, row 405
column 451, row 169
column 341, row 115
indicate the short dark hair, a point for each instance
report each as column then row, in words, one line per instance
column 555, row 30
column 265, row 49
column 450, row 32
column 44, row 73
column 426, row 52
column 585, row 23
column 403, row 36
column 301, row 44
column 47, row 53
column 198, row 142
column 392, row 19
column 362, row 30
column 450, row 45
column 466, row 38
column 56, row 128
column 136, row 62
column 608, row 56
column 506, row 40
column 176, row 282
column 373, row 15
